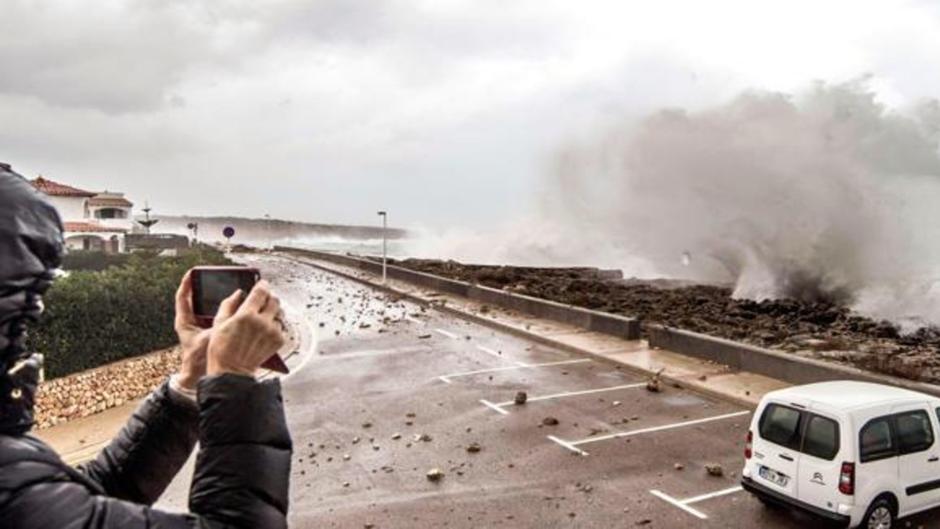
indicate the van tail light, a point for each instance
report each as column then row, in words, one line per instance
column 847, row 479
column 749, row 445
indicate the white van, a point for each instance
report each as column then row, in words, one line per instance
column 859, row 454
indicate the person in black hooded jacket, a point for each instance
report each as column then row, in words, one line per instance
column 243, row 465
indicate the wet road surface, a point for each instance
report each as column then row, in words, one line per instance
column 391, row 391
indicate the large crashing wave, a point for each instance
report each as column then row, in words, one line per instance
column 825, row 195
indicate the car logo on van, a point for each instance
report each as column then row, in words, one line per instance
column 817, row 478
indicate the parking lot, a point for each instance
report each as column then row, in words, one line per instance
column 392, row 391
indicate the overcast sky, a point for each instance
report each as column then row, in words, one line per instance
column 445, row 112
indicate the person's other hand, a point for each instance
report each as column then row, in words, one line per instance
column 194, row 340
column 245, row 334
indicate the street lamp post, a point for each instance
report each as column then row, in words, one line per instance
column 267, row 229
column 384, row 216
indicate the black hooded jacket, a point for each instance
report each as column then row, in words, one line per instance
column 243, row 465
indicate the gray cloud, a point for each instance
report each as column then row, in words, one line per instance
column 444, row 112
column 121, row 58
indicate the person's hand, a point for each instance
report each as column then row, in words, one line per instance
column 194, row 340
column 245, row 334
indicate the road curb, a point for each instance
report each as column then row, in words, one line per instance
column 767, row 362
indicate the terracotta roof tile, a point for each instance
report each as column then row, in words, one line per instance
column 110, row 201
column 59, row 190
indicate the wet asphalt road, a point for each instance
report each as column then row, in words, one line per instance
column 370, row 416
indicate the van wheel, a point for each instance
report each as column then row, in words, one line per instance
column 879, row 516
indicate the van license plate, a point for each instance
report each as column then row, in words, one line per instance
column 773, row 476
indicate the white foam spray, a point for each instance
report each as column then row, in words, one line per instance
column 822, row 195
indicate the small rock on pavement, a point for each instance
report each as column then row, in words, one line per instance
column 521, row 398
column 435, row 474
column 550, row 421
column 474, row 448
column 714, row 470
column 678, row 466
column 653, row 384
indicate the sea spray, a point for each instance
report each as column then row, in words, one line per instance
column 825, row 195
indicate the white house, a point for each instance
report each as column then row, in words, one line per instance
column 93, row 221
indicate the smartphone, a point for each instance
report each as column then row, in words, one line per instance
column 212, row 284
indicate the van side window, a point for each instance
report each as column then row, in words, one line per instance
column 876, row 440
column 914, row 431
column 781, row 425
column 821, row 438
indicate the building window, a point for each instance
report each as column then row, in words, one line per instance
column 111, row 213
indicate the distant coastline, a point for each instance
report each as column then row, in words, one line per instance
column 259, row 230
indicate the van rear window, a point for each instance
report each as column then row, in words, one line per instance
column 781, row 425
column 801, row 431
column 821, row 438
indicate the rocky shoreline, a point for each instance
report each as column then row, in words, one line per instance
column 818, row 330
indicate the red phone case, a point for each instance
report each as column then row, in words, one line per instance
column 274, row 363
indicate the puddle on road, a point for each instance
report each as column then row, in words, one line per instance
column 682, row 398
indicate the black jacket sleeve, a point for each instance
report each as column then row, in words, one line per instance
column 243, row 468
column 241, row 479
column 142, row 460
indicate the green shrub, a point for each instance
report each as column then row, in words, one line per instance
column 93, row 260
column 96, row 317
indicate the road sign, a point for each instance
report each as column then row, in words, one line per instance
column 228, row 232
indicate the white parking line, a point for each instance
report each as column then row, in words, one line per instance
column 489, row 351
column 567, row 445
column 660, row 428
column 684, row 504
column 494, row 407
column 667, row 498
column 498, row 354
column 573, row 445
column 711, row 495
column 446, row 378
column 576, row 393
column 448, row 334
column 413, row 320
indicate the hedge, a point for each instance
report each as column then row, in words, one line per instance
column 93, row 260
column 96, row 317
